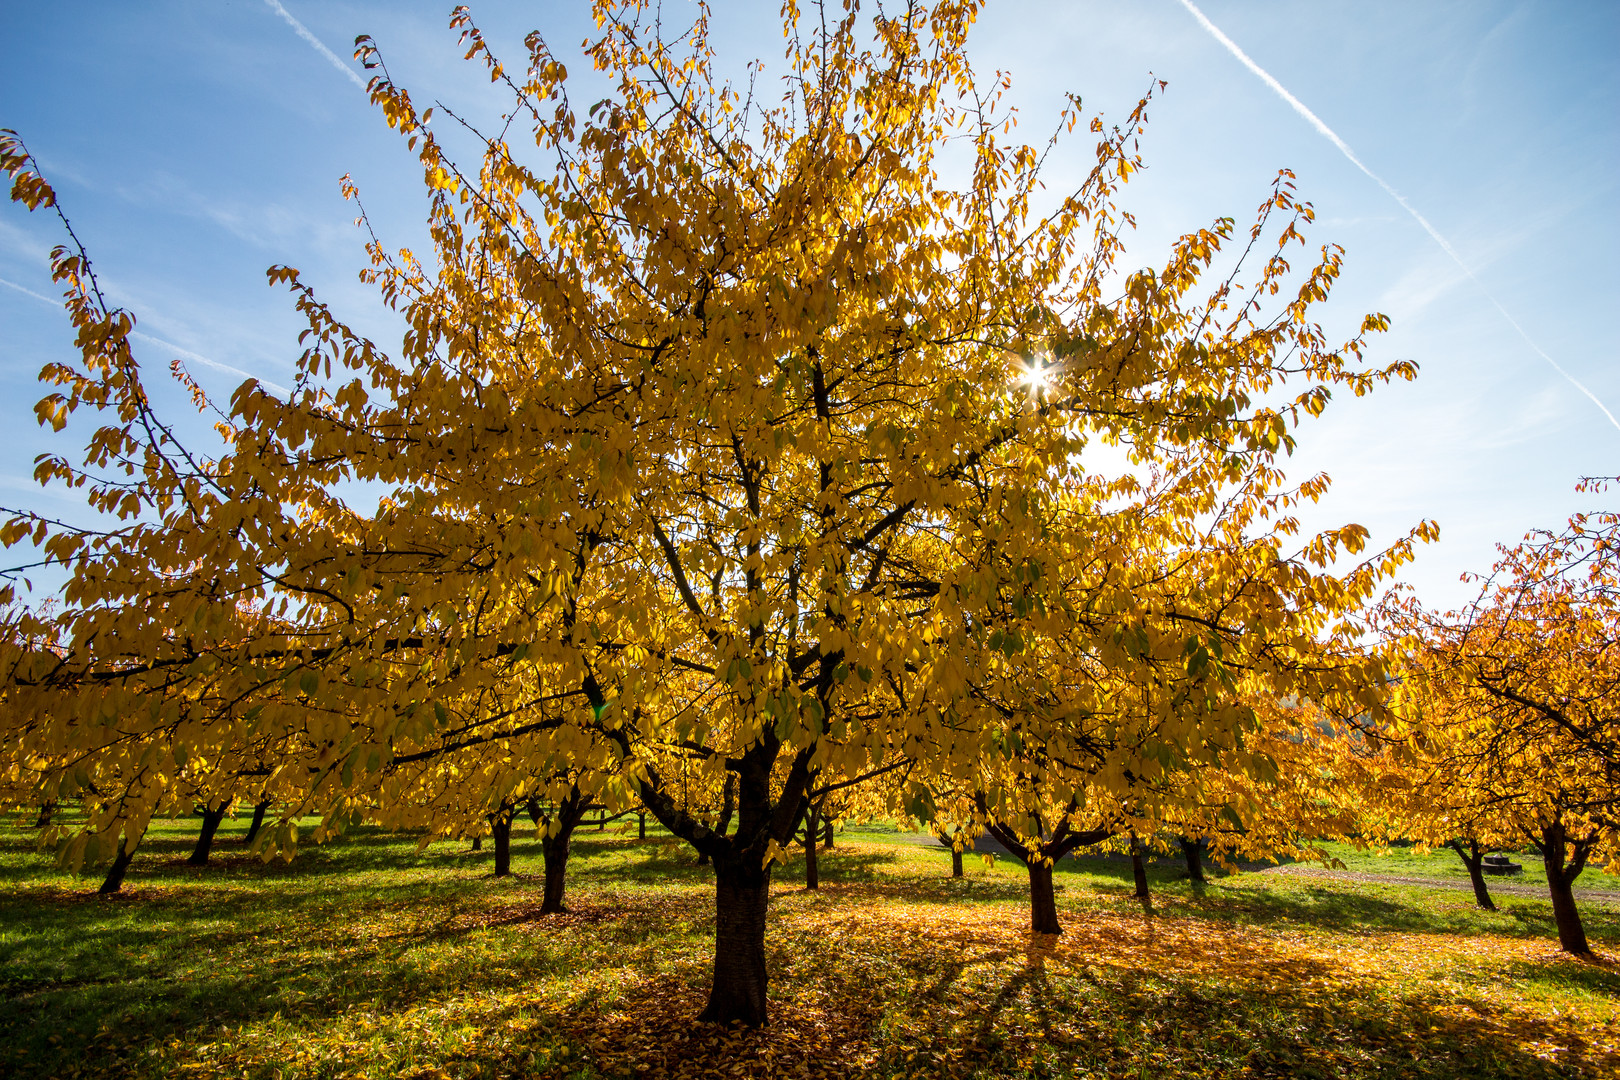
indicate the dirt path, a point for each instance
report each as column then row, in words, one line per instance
column 1497, row 887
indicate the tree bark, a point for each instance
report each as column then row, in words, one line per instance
column 258, row 821
column 1474, row 860
column 827, row 834
column 211, row 818
column 728, row 805
column 1193, row 852
column 501, row 825
column 741, row 898
column 1040, row 859
column 1139, row 871
column 641, row 825
column 812, row 871
column 478, row 843
column 1042, row 900
column 956, row 863
column 46, row 812
column 554, row 850
column 1560, row 879
column 766, row 815
column 115, row 873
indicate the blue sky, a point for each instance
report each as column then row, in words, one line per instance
column 195, row 144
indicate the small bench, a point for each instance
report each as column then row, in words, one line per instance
column 1500, row 864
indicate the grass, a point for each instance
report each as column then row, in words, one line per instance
column 364, row 959
column 1443, row 863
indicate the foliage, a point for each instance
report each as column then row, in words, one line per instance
column 703, row 448
column 1513, row 736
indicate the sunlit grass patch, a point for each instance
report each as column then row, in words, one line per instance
column 366, row 960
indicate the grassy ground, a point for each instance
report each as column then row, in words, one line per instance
column 366, row 960
column 1443, row 863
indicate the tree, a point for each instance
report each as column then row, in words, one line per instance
column 700, row 442
column 1509, row 704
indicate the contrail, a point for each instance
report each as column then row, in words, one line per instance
column 171, row 346
column 1344, row 148
column 215, row 364
column 29, row 292
column 303, row 32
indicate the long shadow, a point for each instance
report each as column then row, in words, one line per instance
column 1273, row 1016
column 1345, row 908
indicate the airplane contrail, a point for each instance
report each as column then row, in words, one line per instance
column 320, row 47
column 171, row 346
column 215, row 364
column 1344, row 148
column 29, row 292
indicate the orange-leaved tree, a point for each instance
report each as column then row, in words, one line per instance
column 1510, row 707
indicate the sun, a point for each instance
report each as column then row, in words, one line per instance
column 1035, row 375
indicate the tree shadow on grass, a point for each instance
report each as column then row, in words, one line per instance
column 895, row 984
column 1596, row 975
column 993, row 1004
column 128, row 990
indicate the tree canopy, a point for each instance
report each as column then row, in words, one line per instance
column 1508, row 709
column 744, row 435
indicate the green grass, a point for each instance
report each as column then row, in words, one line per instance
column 366, row 959
column 1443, row 863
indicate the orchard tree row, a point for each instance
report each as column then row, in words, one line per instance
column 752, row 448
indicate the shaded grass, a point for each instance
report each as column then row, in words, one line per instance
column 368, row 959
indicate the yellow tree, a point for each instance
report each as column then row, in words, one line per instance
column 1128, row 676
column 1510, row 706
column 701, row 439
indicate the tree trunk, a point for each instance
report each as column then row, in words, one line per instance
column 554, row 850
column 502, row 828
column 741, row 896
column 46, row 812
column 641, row 825
column 827, row 834
column 211, row 818
column 478, row 843
column 115, row 873
column 1560, row 878
column 1139, row 871
column 1474, row 860
column 956, row 863
column 812, row 871
column 533, row 807
column 1042, row 900
column 1193, row 852
column 258, row 821
column 728, row 806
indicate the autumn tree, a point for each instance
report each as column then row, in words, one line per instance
column 1509, row 703
column 722, row 428
column 1151, row 701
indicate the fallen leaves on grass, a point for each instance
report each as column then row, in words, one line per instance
column 898, row 974
column 651, row 1033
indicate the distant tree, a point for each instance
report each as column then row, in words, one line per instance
column 1512, row 707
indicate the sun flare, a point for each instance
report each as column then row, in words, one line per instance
column 1035, row 375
